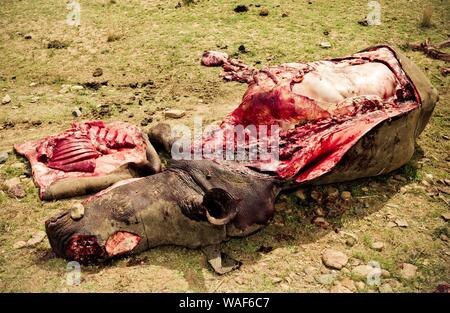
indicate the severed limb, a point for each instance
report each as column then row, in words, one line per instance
column 431, row 50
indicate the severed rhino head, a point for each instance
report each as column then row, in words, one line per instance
column 339, row 119
column 192, row 204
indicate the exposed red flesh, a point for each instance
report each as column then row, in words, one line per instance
column 74, row 152
column 120, row 243
column 322, row 108
column 84, row 249
column 75, row 149
column 87, row 166
column 86, row 150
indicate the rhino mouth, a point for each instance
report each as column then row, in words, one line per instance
column 87, row 249
column 84, row 249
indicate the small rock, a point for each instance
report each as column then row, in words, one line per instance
column 395, row 284
column 408, row 271
column 346, row 195
column 14, row 188
column 361, row 272
column 77, row 88
column 365, row 189
column 64, row 89
column 334, row 259
column 285, row 14
column 34, row 99
column 174, row 113
column 350, row 239
column 429, row 178
column 77, row 211
column 325, row 44
column 319, row 212
column 146, row 121
column 97, row 72
column 401, row 223
column 27, row 37
column 338, row 288
column 77, row 112
column 20, row 244
column 348, row 283
column 385, row 273
column 33, row 84
column 391, row 224
column 445, row 216
column 264, row 12
column 277, row 280
column 401, row 178
column 3, row 156
column 325, row 279
column 360, row 285
column 377, row 246
column 385, row 288
column 6, row 99
column 332, row 192
column 300, row 194
column 309, row 270
column 36, row 238
column 239, row 280
column 443, row 237
column 317, row 196
column 321, row 222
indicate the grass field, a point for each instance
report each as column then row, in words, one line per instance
column 136, row 41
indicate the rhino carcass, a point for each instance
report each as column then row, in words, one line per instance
column 340, row 119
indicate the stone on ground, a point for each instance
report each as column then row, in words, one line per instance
column 334, row 259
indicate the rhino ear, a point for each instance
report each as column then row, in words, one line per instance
column 220, row 206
